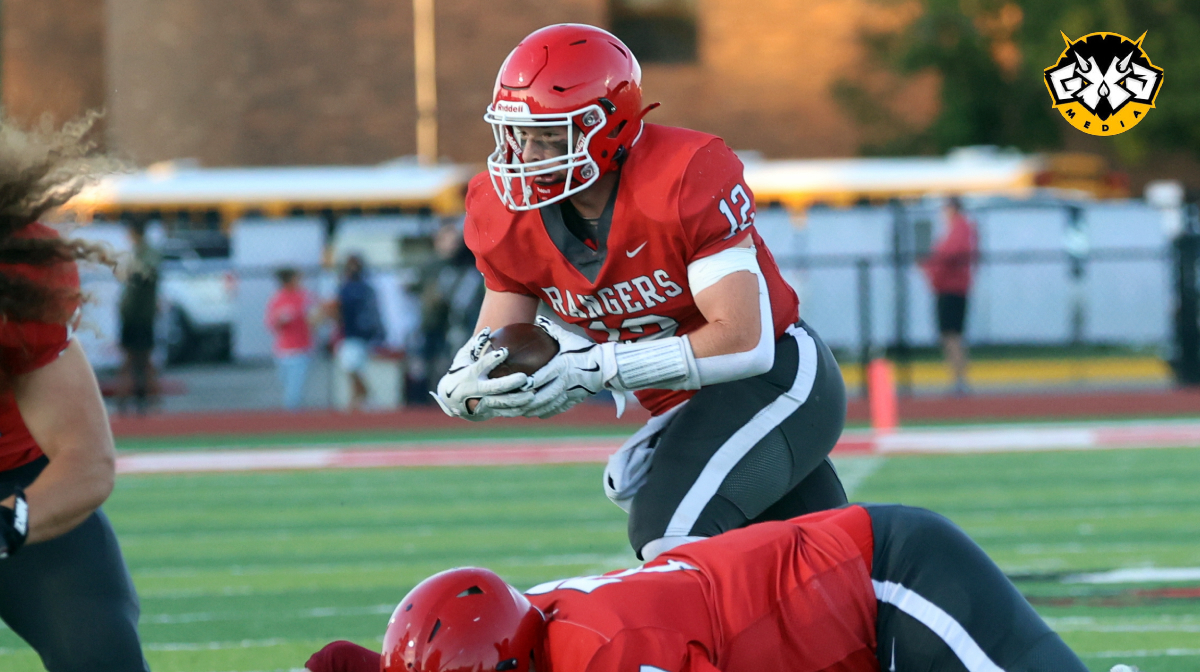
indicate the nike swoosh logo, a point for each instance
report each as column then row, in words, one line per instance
column 576, row 352
column 595, row 367
column 635, row 251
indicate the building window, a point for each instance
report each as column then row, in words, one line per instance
column 657, row 31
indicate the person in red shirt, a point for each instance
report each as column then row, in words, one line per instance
column 642, row 237
column 948, row 268
column 857, row 589
column 64, row 586
column 287, row 317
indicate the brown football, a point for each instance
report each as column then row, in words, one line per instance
column 529, row 349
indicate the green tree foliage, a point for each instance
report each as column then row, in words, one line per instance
column 990, row 55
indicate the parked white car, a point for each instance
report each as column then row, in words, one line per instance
column 197, row 287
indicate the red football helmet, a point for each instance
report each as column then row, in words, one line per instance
column 580, row 79
column 463, row 620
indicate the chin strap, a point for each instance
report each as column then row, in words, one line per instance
column 622, row 152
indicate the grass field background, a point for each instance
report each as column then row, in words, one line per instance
column 255, row 571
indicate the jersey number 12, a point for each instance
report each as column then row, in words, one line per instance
column 741, row 200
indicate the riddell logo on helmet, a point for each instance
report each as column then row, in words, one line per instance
column 511, row 107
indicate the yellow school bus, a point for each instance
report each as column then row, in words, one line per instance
column 800, row 184
column 186, row 196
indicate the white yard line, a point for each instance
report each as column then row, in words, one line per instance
column 1138, row 575
column 950, row 440
column 317, row 612
column 855, row 470
column 986, row 440
column 217, row 646
column 1128, row 628
column 1143, row 653
column 224, row 460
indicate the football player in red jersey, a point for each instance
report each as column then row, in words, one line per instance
column 643, row 236
column 64, row 587
column 861, row 588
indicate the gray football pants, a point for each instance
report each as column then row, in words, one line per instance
column 71, row 598
column 748, row 450
column 944, row 606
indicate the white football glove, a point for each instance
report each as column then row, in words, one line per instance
column 582, row 368
column 578, row 371
column 467, row 379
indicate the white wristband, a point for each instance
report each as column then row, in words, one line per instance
column 663, row 364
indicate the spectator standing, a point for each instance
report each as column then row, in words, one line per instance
column 287, row 317
column 138, row 310
column 948, row 268
column 361, row 327
column 451, row 291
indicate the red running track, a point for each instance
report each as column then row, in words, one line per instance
column 981, row 408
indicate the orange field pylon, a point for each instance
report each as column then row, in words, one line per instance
column 881, row 391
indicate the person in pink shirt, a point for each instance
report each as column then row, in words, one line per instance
column 948, row 268
column 288, row 319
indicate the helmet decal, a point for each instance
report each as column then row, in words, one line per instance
column 513, row 145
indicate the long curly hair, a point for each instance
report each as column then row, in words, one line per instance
column 41, row 169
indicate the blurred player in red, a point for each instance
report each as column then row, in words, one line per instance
column 64, row 587
column 643, row 237
column 854, row 589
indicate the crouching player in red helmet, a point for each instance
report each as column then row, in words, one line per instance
column 643, row 236
column 861, row 588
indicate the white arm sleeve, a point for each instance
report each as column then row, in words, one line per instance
column 704, row 273
column 670, row 363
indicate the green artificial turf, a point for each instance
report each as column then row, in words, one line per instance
column 1044, row 517
column 255, row 571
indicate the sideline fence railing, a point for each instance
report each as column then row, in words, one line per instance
column 876, row 278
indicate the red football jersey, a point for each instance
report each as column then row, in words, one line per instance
column 790, row 596
column 24, row 347
column 681, row 197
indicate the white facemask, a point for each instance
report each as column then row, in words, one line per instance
column 513, row 178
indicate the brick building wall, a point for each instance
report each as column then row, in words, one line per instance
column 262, row 82
column 53, row 56
column 765, row 73
column 259, row 82
column 472, row 40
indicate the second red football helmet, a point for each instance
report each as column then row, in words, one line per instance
column 573, row 77
column 463, row 620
